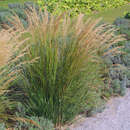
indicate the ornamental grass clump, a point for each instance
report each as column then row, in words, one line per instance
column 12, row 52
column 69, row 73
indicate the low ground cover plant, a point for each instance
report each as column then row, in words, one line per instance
column 124, row 24
column 119, row 65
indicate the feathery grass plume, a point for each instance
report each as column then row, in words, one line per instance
column 67, row 76
column 12, row 52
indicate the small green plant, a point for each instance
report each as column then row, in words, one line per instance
column 40, row 124
column 127, row 15
column 2, row 126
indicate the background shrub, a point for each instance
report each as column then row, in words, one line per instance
column 79, row 6
column 119, row 65
column 16, row 9
column 124, row 28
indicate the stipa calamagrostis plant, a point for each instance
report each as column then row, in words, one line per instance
column 67, row 75
column 12, row 53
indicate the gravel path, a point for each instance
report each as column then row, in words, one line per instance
column 116, row 116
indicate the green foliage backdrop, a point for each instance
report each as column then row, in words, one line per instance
column 80, row 6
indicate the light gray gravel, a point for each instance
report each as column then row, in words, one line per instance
column 116, row 116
